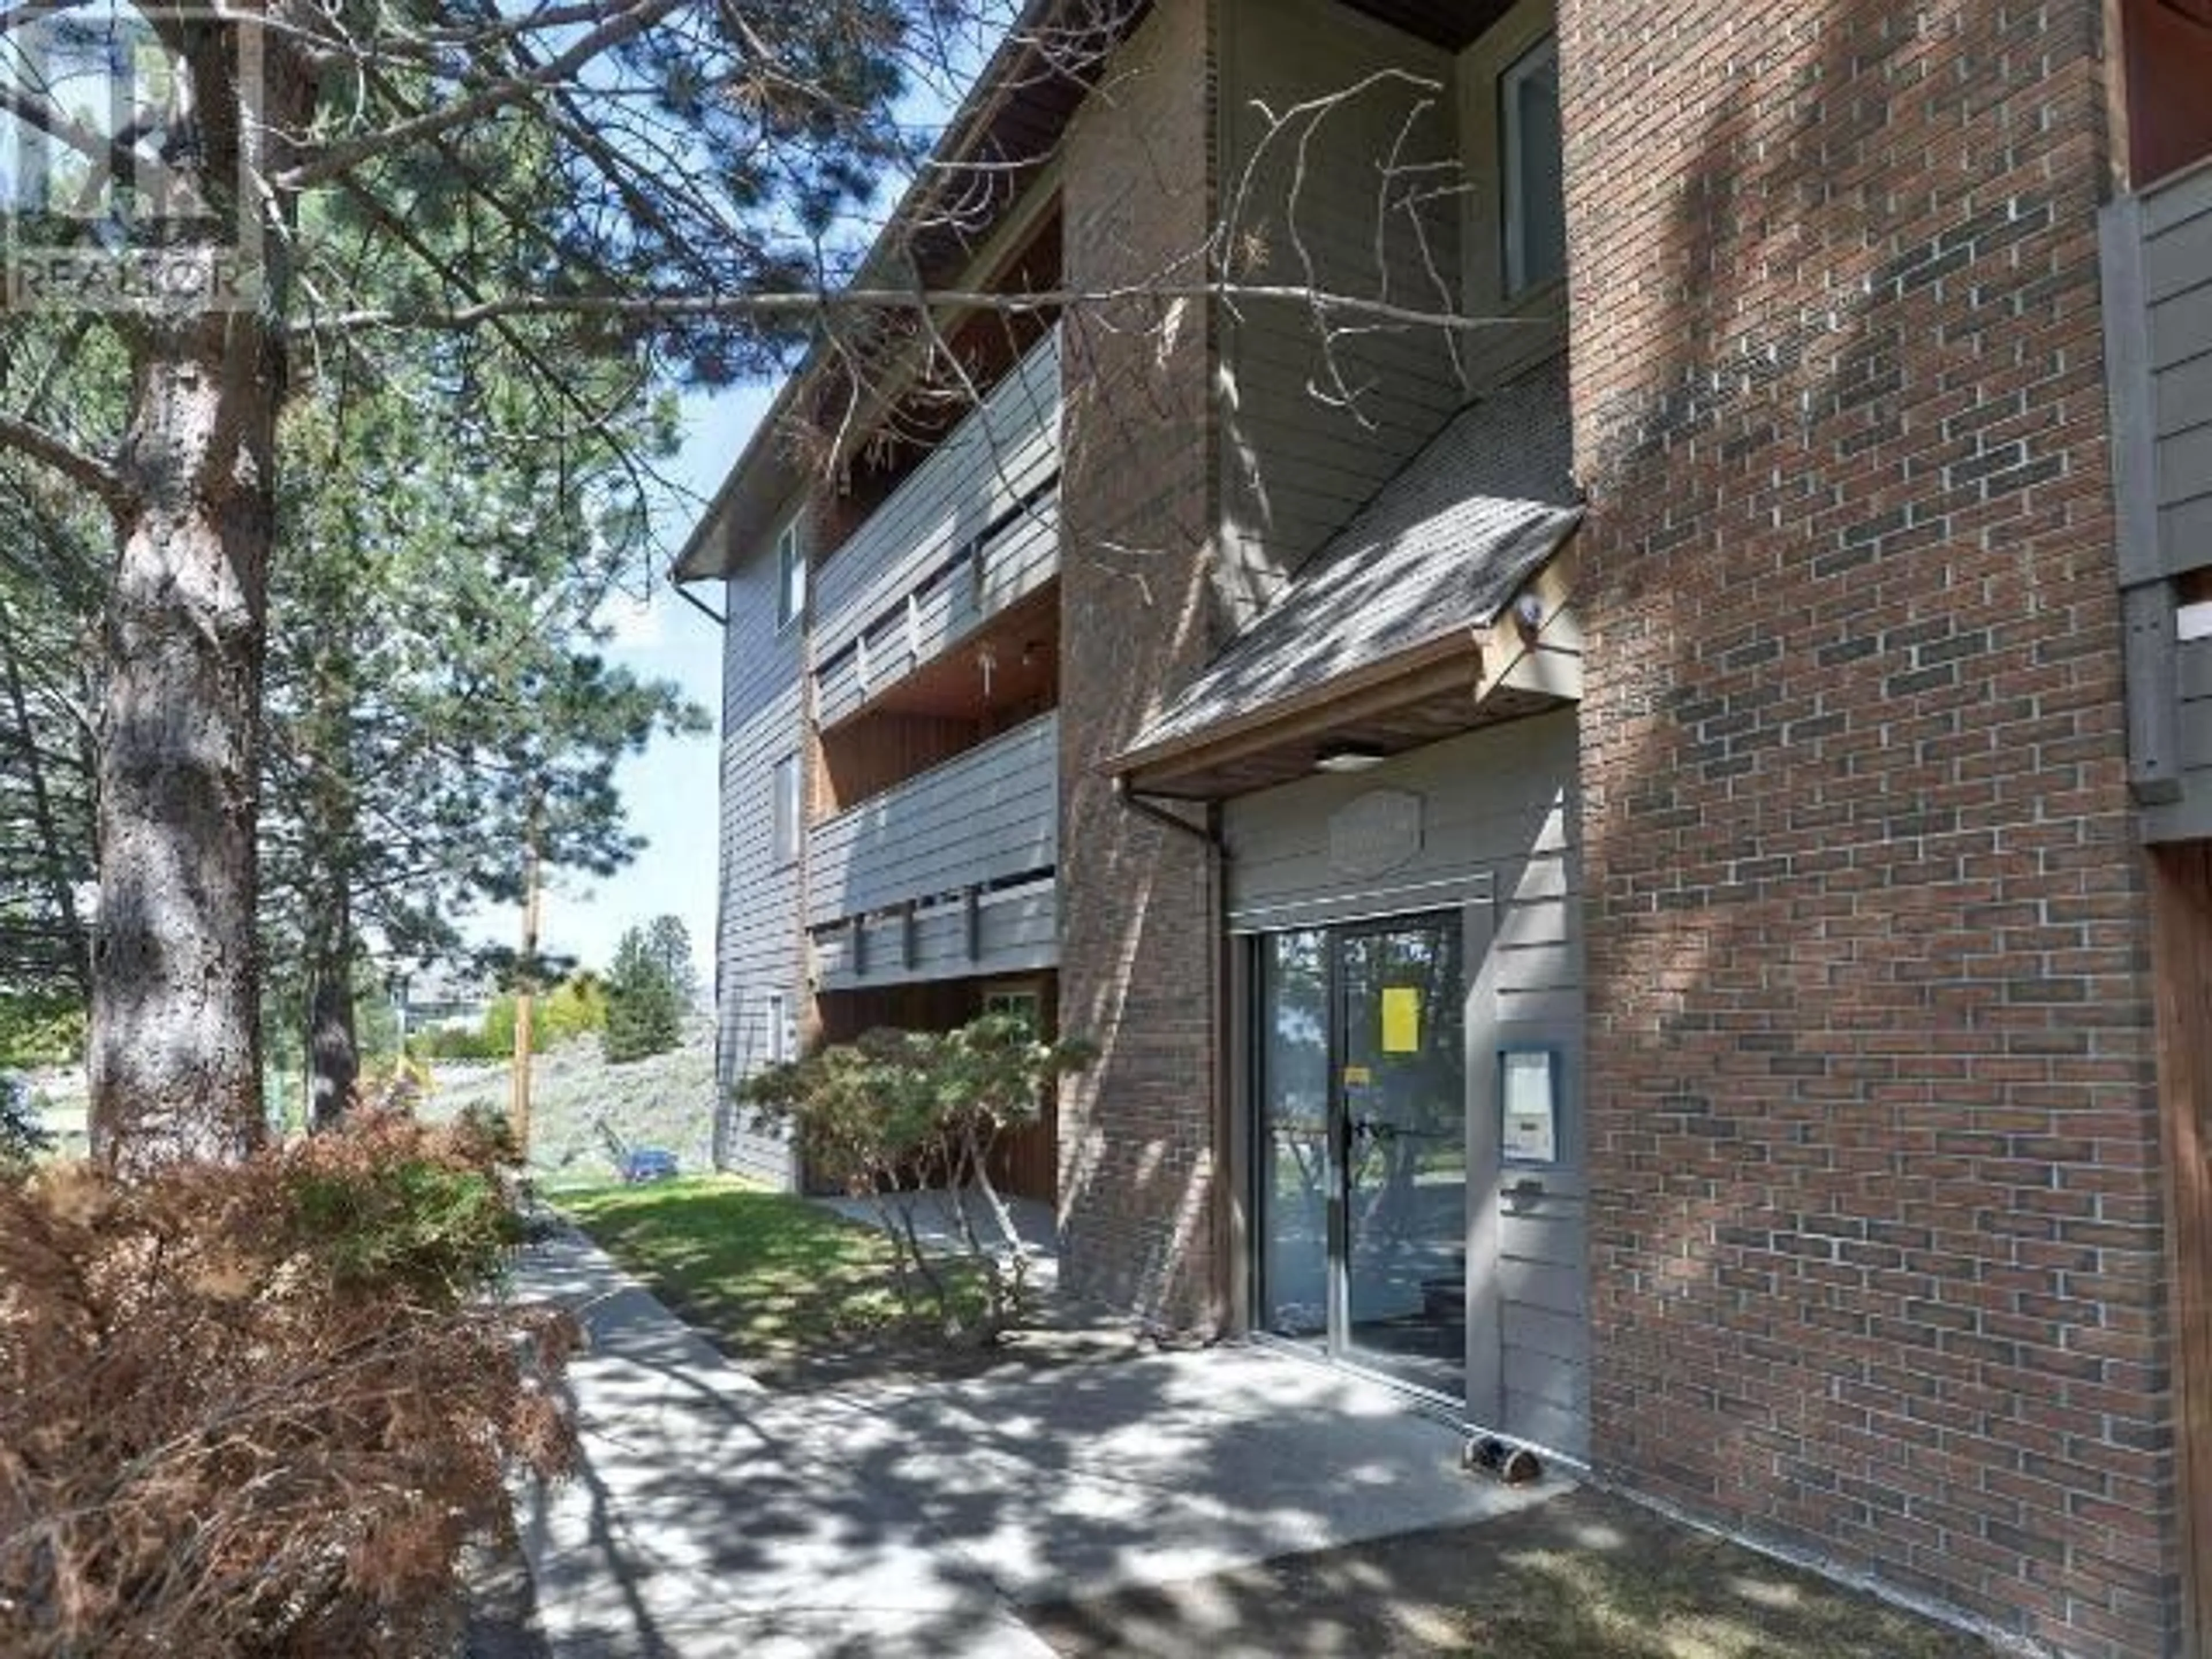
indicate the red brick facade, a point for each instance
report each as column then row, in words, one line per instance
column 1138, row 925
column 1876, row 1261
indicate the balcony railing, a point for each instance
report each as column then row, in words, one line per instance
column 920, row 880
column 2157, row 328
column 973, row 528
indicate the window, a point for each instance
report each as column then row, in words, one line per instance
column 1534, row 194
column 1026, row 1006
column 783, row 810
column 777, row 1044
column 790, row 578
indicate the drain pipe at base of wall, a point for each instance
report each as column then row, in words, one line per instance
column 1223, row 1311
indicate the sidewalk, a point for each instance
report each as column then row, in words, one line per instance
column 712, row 1517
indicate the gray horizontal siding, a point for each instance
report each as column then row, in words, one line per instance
column 2157, row 253
column 1017, row 931
column 1498, row 835
column 995, row 458
column 2177, row 283
column 1488, row 811
column 757, row 947
column 986, row 816
column 1295, row 462
column 2158, row 303
column 924, row 624
column 2193, row 660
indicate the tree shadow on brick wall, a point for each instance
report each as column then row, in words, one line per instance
column 1844, row 473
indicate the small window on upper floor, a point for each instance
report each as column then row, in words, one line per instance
column 783, row 812
column 1534, row 196
column 790, row 578
column 778, row 1043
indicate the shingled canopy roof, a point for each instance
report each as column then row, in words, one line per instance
column 1378, row 641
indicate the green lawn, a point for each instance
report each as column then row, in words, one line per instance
column 783, row 1287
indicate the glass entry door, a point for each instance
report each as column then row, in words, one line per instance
column 1362, row 1145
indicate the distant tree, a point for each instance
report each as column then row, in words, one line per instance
column 644, row 1013
column 52, row 554
column 435, row 695
column 669, row 942
column 22, row 1137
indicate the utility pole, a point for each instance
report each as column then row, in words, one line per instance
column 518, row 1111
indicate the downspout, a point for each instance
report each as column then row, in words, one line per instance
column 1223, row 1311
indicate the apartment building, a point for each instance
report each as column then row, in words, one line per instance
column 1637, row 865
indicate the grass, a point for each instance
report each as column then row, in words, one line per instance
column 1624, row 1588
column 1584, row 1576
column 786, row 1288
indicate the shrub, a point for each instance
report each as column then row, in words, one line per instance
column 898, row 1111
column 577, row 1007
column 256, row 1409
column 457, row 1043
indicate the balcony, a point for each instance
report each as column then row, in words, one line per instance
column 975, row 530
column 2157, row 324
column 948, row 874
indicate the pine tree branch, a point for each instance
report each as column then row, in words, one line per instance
column 50, row 449
column 342, row 158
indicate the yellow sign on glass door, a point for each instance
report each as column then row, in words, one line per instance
column 1401, row 1019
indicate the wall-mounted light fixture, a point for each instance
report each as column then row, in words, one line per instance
column 1348, row 758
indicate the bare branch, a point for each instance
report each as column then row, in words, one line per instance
column 734, row 307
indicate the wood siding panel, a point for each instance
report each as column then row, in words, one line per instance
column 2195, row 738
column 2181, row 943
column 988, row 816
column 2184, row 395
column 2185, row 464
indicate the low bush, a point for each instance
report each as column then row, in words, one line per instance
column 257, row 1409
column 896, row 1113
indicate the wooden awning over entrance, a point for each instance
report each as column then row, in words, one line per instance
column 1445, row 605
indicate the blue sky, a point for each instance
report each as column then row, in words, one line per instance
column 671, row 790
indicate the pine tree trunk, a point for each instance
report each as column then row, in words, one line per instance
column 329, row 814
column 333, row 1057
column 175, row 1046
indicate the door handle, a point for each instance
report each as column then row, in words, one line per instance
column 1527, row 1187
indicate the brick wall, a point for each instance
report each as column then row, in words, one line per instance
column 1138, row 915
column 1876, row 1245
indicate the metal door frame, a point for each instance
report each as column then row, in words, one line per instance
column 1335, row 1343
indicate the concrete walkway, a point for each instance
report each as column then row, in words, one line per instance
column 712, row 1517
